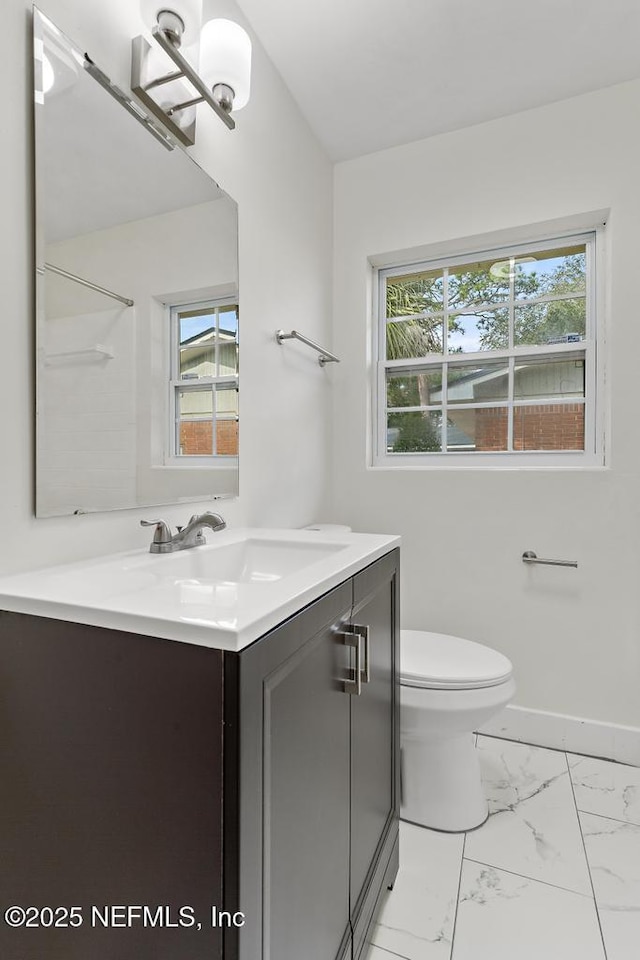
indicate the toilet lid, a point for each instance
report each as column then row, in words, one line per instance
column 439, row 661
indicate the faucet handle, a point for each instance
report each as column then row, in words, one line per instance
column 162, row 532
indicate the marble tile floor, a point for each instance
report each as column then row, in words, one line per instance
column 554, row 873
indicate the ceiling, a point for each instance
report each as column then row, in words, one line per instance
column 369, row 75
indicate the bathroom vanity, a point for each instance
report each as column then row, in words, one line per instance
column 245, row 789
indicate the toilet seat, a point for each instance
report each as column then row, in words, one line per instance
column 437, row 661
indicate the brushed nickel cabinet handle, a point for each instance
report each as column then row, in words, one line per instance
column 353, row 685
column 363, row 632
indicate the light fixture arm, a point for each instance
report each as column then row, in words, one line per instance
column 160, row 81
column 187, row 71
column 183, row 106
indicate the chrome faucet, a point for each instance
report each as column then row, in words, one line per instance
column 190, row 536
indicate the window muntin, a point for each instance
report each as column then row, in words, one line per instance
column 519, row 344
column 204, row 379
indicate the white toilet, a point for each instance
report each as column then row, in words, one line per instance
column 448, row 688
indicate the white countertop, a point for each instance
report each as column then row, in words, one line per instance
column 223, row 595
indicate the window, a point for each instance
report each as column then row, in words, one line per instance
column 489, row 359
column 204, row 380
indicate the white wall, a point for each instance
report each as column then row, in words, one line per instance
column 274, row 168
column 573, row 635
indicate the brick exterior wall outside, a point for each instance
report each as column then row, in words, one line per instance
column 540, row 427
column 491, row 429
column 195, row 438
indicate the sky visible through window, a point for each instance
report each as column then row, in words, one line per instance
column 467, row 337
column 192, row 326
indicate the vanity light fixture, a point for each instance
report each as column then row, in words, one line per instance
column 222, row 79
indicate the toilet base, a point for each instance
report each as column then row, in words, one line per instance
column 441, row 784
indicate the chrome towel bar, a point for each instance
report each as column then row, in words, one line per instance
column 88, row 283
column 530, row 557
column 325, row 356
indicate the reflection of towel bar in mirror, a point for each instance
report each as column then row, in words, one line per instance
column 87, row 283
column 99, row 352
column 325, row 356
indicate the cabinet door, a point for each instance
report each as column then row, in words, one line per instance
column 111, row 758
column 294, row 678
column 374, row 741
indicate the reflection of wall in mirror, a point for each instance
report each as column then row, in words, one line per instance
column 188, row 254
column 87, row 429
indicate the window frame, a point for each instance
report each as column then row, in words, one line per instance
column 175, row 384
column 591, row 346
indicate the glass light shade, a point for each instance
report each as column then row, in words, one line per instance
column 48, row 76
column 225, row 57
column 189, row 11
column 59, row 68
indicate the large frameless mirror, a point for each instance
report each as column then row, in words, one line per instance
column 137, row 302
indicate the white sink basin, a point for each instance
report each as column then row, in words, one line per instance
column 252, row 560
column 225, row 594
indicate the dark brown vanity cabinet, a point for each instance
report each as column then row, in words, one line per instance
column 137, row 772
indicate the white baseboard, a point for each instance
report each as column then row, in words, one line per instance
column 573, row 734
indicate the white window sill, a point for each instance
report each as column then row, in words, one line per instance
column 499, row 462
column 199, row 463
